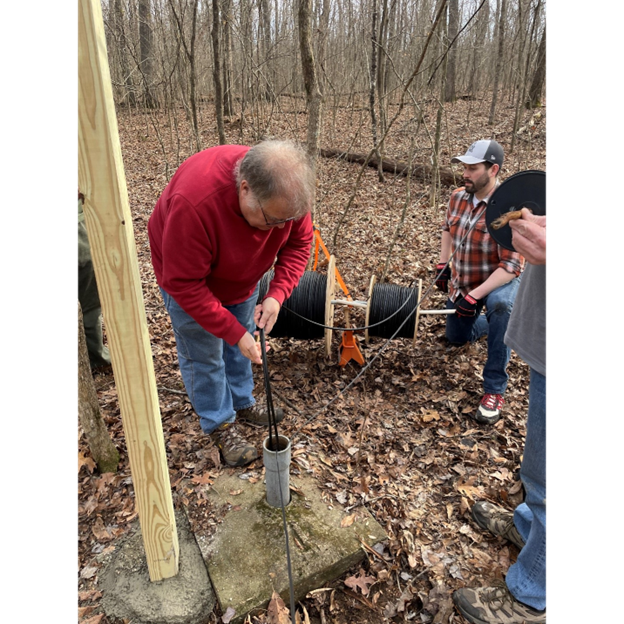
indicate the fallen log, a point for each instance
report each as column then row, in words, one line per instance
column 422, row 172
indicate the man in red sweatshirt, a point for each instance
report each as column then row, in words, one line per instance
column 227, row 216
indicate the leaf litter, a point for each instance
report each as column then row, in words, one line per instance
column 400, row 442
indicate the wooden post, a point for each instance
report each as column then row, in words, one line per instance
column 111, row 237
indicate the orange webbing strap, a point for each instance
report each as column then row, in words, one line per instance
column 318, row 242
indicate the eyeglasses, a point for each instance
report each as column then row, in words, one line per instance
column 270, row 221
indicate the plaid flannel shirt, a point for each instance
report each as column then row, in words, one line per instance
column 479, row 256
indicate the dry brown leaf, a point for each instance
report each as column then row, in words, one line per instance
column 277, row 613
column 362, row 581
column 347, row 521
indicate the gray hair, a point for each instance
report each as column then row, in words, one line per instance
column 278, row 169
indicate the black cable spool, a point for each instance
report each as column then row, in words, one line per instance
column 307, row 299
column 385, row 300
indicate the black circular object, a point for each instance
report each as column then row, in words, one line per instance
column 526, row 189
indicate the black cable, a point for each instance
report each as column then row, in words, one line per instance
column 274, row 446
column 303, row 295
column 388, row 341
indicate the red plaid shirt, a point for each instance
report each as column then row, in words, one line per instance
column 479, row 256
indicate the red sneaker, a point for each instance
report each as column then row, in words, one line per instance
column 489, row 409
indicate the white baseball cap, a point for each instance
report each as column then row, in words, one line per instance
column 482, row 151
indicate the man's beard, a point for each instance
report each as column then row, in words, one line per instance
column 474, row 186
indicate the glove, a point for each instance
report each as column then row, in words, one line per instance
column 444, row 277
column 466, row 306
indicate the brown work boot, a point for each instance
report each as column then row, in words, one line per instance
column 497, row 521
column 259, row 415
column 235, row 450
column 495, row 605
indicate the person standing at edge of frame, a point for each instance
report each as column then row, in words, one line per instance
column 89, row 297
column 521, row 598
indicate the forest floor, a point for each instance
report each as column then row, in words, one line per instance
column 401, row 440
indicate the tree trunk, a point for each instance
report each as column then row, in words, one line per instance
column 227, row 58
column 479, row 46
column 265, row 61
column 435, row 173
column 521, row 100
column 120, row 30
column 373, row 84
column 537, row 84
column 310, row 79
column 145, row 39
column 453, row 27
column 100, row 444
column 499, row 60
column 216, row 72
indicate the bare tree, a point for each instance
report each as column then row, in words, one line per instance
column 310, row 78
column 373, row 83
column 537, row 84
column 478, row 51
column 227, row 58
column 499, row 59
column 121, row 51
column 189, row 50
column 145, row 38
column 453, row 27
column 216, row 72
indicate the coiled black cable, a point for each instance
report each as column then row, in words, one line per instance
column 308, row 299
column 386, row 299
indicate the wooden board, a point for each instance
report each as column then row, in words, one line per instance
column 329, row 306
column 370, row 296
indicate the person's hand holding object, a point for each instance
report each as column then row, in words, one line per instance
column 265, row 314
column 528, row 235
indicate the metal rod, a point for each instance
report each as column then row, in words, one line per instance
column 357, row 304
column 364, row 304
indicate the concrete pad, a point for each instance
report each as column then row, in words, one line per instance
column 127, row 591
column 246, row 557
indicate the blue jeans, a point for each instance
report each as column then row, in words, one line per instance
column 526, row 579
column 217, row 377
column 493, row 324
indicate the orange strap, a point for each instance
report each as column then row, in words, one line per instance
column 318, row 242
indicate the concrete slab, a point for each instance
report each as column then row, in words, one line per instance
column 127, row 591
column 246, row 557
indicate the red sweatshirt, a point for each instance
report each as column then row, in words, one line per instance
column 206, row 255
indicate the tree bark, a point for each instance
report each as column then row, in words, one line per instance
column 227, row 58
column 537, row 84
column 499, row 60
column 310, row 79
column 145, row 39
column 120, row 30
column 453, row 27
column 479, row 46
column 216, row 71
column 373, row 83
column 100, row 444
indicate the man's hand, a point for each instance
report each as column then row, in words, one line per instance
column 528, row 235
column 443, row 277
column 466, row 306
column 250, row 348
column 265, row 314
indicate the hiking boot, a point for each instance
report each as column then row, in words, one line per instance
column 495, row 605
column 497, row 521
column 259, row 416
column 489, row 409
column 236, row 451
